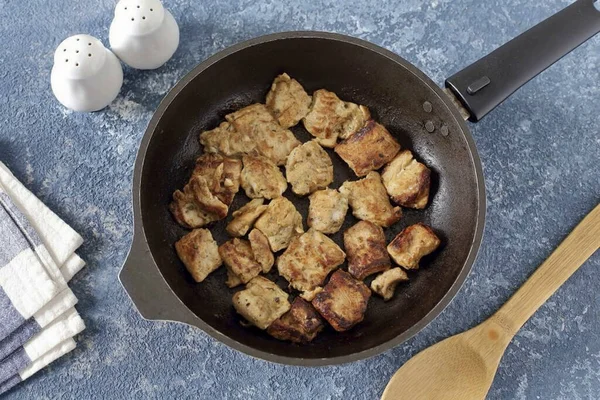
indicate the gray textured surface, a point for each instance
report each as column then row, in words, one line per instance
column 540, row 150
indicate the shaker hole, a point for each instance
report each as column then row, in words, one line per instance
column 133, row 19
column 67, row 60
column 89, row 44
column 78, row 39
column 143, row 17
column 89, row 54
column 76, row 51
column 151, row 9
column 77, row 64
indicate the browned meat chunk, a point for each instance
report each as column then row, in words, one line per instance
column 196, row 206
column 262, row 251
column 232, row 279
column 287, row 101
column 343, row 301
column 300, row 324
column 330, row 118
column 413, row 243
column 407, row 181
column 309, row 259
column 365, row 246
column 309, row 168
column 199, row 253
column 261, row 303
column 238, row 257
column 370, row 202
column 222, row 175
column 327, row 210
column 225, row 140
column 385, row 284
column 280, row 223
column 262, row 178
column 368, row 149
column 244, row 218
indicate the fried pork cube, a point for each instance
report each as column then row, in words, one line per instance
column 261, row 178
column 369, row 200
column 327, row 210
column 199, row 253
column 244, row 217
column 261, row 303
column 271, row 140
column 225, row 140
column 280, row 223
column 222, row 175
column 261, row 249
column 343, row 301
column 196, row 206
column 365, row 245
column 309, row 168
column 309, row 259
column 287, row 101
column 413, row 243
column 385, row 284
column 239, row 258
column 300, row 324
column 407, row 181
column 330, row 118
column 368, row 149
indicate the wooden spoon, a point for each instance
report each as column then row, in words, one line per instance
column 463, row 366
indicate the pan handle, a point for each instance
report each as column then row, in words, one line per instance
column 147, row 288
column 486, row 83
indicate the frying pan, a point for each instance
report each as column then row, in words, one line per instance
column 423, row 118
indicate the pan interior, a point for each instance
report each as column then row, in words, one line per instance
column 396, row 97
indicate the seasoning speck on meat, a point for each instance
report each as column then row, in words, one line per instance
column 407, row 181
column 330, row 118
column 300, row 324
column 244, row 217
column 309, row 168
column 368, row 149
column 261, row 249
column 199, row 253
column 280, row 223
column 366, row 249
column 370, row 202
column 413, row 243
column 262, row 178
column 343, row 301
column 239, row 258
column 385, row 283
column 327, row 210
column 287, row 100
column 309, row 259
column 261, row 303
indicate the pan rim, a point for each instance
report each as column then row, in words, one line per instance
column 140, row 236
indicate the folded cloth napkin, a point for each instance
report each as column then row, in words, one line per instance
column 52, row 355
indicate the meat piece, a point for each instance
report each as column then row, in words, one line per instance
column 207, row 201
column 309, row 259
column 261, row 303
column 270, row 139
column 262, row 251
column 225, row 140
column 370, row 202
column 238, row 256
column 232, row 279
column 385, row 284
column 261, row 178
column 199, row 253
column 300, row 324
column 407, row 181
column 196, row 206
column 244, row 217
column 309, row 295
column 365, row 245
column 309, row 168
column 280, row 223
column 368, row 149
column 330, row 118
column 327, row 210
column 413, row 243
column 343, row 301
column 287, row 101
column 222, row 175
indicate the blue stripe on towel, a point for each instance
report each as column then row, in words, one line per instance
column 10, row 318
column 15, row 362
column 19, row 337
column 10, row 383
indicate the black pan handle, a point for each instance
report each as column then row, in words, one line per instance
column 486, row 83
column 147, row 288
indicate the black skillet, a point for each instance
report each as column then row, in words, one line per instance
column 422, row 117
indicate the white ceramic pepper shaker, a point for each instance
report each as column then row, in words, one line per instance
column 86, row 76
column 143, row 34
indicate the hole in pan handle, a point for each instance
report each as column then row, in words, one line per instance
column 147, row 288
column 485, row 84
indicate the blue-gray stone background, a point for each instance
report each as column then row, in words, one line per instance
column 540, row 151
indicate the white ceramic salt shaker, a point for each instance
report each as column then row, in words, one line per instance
column 143, row 34
column 86, row 76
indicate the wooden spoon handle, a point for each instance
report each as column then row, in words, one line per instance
column 581, row 243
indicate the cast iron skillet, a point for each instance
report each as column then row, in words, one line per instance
column 420, row 115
